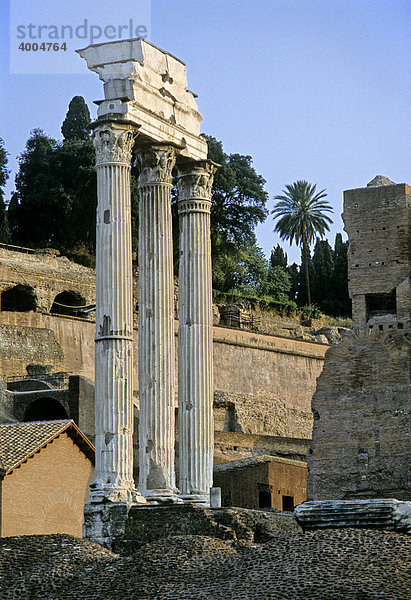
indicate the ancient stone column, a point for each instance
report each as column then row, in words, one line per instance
column 195, row 341
column 156, row 341
column 114, row 318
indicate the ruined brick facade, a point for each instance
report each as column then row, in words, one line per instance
column 377, row 220
column 362, row 402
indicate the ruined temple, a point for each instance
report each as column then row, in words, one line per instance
column 361, row 405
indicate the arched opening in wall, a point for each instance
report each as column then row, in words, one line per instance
column 68, row 303
column 20, row 298
column 45, row 409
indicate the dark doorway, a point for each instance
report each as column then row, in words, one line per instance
column 68, row 303
column 264, row 499
column 20, row 298
column 381, row 304
column 288, row 503
column 45, row 409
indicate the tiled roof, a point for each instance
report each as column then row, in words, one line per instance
column 19, row 441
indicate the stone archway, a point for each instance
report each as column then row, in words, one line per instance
column 20, row 298
column 68, row 303
column 45, row 409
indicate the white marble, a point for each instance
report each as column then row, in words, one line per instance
column 195, row 353
column 156, row 326
column 148, row 86
column 114, row 318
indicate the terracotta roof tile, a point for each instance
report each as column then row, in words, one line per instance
column 19, row 441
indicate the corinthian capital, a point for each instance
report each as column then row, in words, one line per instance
column 196, row 181
column 113, row 143
column 156, row 164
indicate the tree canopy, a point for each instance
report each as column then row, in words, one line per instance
column 301, row 213
column 4, row 175
column 75, row 125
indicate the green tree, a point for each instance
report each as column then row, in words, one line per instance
column 322, row 284
column 4, row 175
column 278, row 284
column 293, row 272
column 40, row 207
column 244, row 272
column 75, row 125
column 306, row 265
column 239, row 205
column 75, row 160
column 300, row 211
column 342, row 302
column 278, row 257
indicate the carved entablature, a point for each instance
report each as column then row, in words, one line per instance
column 156, row 165
column 113, row 144
column 197, row 182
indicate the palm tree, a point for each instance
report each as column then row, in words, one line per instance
column 300, row 210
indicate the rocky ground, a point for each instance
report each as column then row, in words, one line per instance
column 340, row 564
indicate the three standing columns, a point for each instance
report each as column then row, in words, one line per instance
column 195, row 336
column 114, row 318
column 114, row 325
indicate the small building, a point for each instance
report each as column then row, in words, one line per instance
column 262, row 482
column 46, row 468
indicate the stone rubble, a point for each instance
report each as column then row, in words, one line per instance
column 321, row 565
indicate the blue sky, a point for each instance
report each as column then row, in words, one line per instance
column 311, row 89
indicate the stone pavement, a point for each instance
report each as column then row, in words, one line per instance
column 352, row 564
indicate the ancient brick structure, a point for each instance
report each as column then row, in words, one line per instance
column 378, row 225
column 361, row 406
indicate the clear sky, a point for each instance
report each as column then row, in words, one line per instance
column 311, row 89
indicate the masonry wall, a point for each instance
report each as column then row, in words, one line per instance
column 278, row 477
column 377, row 222
column 263, row 384
column 361, row 407
column 47, row 493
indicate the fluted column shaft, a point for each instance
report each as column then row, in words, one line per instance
column 195, row 343
column 114, row 318
column 156, row 326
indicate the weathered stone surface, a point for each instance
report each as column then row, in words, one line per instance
column 156, row 343
column 381, row 513
column 46, row 275
column 114, row 421
column 331, row 564
column 195, row 334
column 378, row 225
column 150, row 523
column 361, row 407
column 148, row 86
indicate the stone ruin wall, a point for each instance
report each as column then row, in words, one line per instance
column 361, row 445
column 378, row 225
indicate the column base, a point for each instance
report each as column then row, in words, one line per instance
column 105, row 522
column 113, row 494
column 154, row 497
column 200, row 499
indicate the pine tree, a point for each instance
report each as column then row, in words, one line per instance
column 306, row 266
column 4, row 175
column 75, row 125
column 342, row 302
column 321, row 282
column 278, row 257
